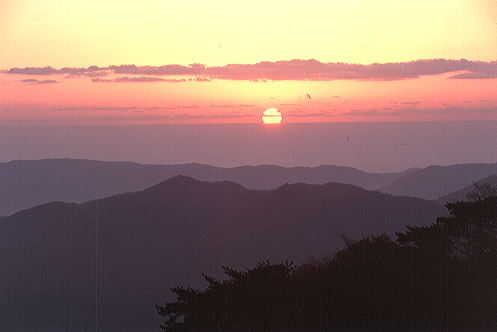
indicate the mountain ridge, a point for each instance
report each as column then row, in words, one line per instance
column 25, row 183
column 434, row 182
column 107, row 262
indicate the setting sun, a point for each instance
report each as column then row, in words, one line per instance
column 271, row 116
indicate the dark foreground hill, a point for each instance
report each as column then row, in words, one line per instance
column 27, row 183
column 104, row 264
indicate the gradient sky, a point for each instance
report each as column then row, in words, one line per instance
column 130, row 61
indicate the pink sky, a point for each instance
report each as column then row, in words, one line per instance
column 420, row 90
column 130, row 62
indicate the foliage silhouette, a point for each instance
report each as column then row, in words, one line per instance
column 253, row 299
column 442, row 277
column 456, row 260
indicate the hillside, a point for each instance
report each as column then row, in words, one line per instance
column 434, row 182
column 460, row 195
column 106, row 263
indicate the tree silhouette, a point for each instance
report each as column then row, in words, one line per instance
column 481, row 192
column 471, row 228
column 251, row 300
column 456, row 259
column 440, row 277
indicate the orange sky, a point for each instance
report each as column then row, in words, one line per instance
column 224, row 34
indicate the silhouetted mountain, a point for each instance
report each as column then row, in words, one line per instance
column 460, row 195
column 104, row 264
column 24, row 184
column 433, row 182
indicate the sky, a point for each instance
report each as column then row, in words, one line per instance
column 154, row 62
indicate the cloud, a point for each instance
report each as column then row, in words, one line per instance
column 35, row 81
column 100, row 73
column 447, row 111
column 192, row 69
column 202, row 79
column 175, row 117
column 456, row 110
column 377, row 112
column 315, row 70
column 189, row 116
column 309, row 115
column 478, row 70
column 37, row 71
column 139, row 79
column 46, row 82
column 221, row 106
column 31, row 71
column 362, row 112
column 148, row 109
column 312, row 70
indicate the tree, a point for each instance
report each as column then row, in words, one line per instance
column 471, row 228
column 248, row 300
column 439, row 277
column 456, row 263
column 188, row 313
column 481, row 192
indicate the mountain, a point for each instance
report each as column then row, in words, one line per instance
column 104, row 264
column 460, row 195
column 433, row 182
column 24, row 184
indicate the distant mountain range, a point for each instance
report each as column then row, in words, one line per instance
column 434, row 182
column 104, row 264
column 25, row 184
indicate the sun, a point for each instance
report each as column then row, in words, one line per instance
column 271, row 116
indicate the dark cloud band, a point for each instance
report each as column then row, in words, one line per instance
column 283, row 70
column 35, row 81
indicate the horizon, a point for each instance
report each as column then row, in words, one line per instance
column 396, row 146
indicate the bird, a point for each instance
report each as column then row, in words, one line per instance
column 308, row 96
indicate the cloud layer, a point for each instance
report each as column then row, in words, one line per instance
column 280, row 70
column 35, row 81
column 409, row 111
column 136, row 79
